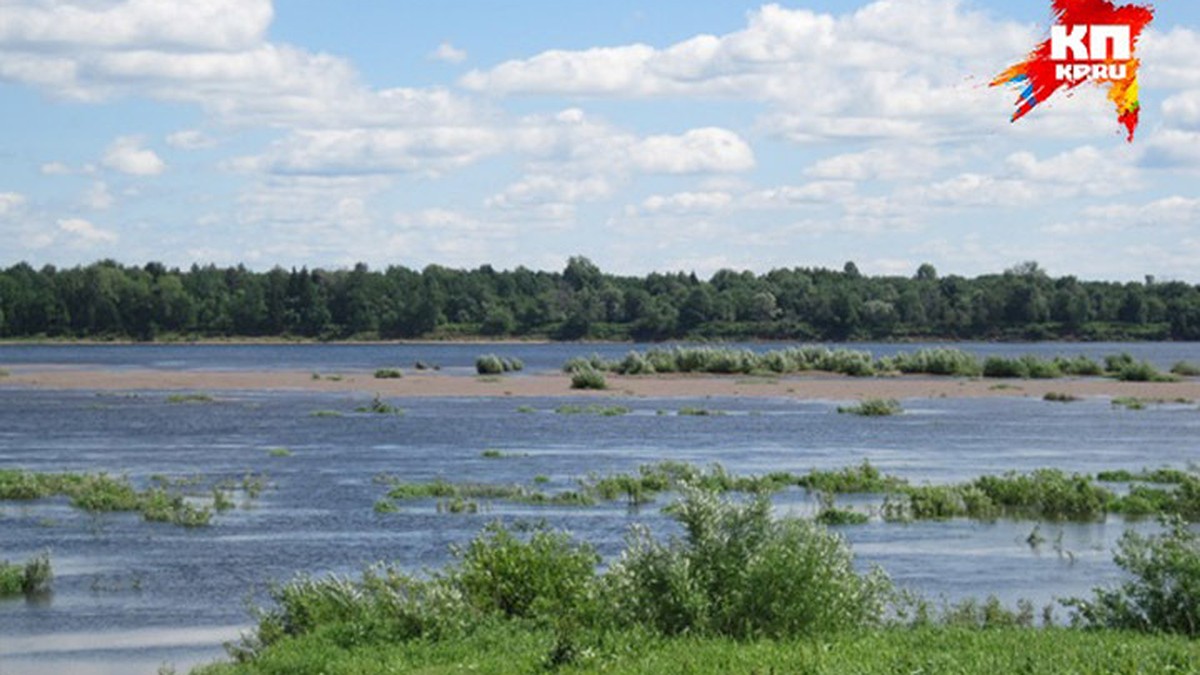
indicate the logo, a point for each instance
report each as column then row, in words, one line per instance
column 1090, row 41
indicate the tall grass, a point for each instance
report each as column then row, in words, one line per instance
column 491, row 364
column 102, row 493
column 588, row 379
column 1186, row 369
column 30, row 579
column 873, row 407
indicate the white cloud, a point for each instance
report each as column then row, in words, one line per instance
column 879, row 163
column 695, row 151
column 361, row 151
column 190, row 139
column 790, row 196
column 126, row 155
column 55, row 169
column 876, row 69
column 545, row 188
column 85, row 233
column 685, row 203
column 448, row 53
column 97, row 197
column 10, row 202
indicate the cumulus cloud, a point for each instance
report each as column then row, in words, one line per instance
column 97, row 197
column 127, row 155
column 687, row 202
column 448, row 53
column 695, row 151
column 545, row 188
column 84, row 233
column 190, row 139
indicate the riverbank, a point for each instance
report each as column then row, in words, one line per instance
column 804, row 387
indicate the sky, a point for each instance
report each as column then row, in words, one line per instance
column 648, row 136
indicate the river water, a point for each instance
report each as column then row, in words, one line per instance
column 130, row 595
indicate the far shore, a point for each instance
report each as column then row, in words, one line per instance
column 810, row 387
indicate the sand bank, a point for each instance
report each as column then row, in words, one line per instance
column 542, row 385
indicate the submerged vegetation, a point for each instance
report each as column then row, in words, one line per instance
column 31, row 579
column 739, row 591
column 164, row 502
column 1044, row 494
column 873, row 407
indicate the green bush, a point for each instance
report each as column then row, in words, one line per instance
column 388, row 374
column 29, row 579
column 1186, row 369
column 740, row 573
column 1164, row 592
column 873, row 407
column 1142, row 371
column 1060, row 397
column 935, row 362
column 588, row 379
column 539, row 577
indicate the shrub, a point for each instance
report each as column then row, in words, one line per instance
column 1164, row 593
column 740, row 573
column 1059, row 397
column 1186, row 369
column 1079, row 366
column 873, row 407
column 490, row 364
column 588, row 379
column 935, row 362
column 388, row 374
column 1142, row 371
column 538, row 577
column 29, row 579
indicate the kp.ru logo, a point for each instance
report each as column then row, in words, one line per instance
column 1091, row 41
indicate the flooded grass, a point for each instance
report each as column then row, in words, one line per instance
column 1059, row 397
column 593, row 409
column 190, row 398
column 873, row 407
column 378, row 406
column 30, row 579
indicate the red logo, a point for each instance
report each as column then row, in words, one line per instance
column 1090, row 41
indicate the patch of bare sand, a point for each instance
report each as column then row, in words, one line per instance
column 546, row 385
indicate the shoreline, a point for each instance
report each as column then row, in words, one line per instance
column 557, row 385
column 543, row 340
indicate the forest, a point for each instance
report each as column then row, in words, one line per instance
column 107, row 300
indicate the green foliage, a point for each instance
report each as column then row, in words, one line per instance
column 1129, row 402
column 379, row 407
column 935, row 362
column 490, row 364
column 592, row 409
column 1060, row 397
column 388, row 374
column 279, row 452
column 864, row 478
column 325, row 413
column 740, row 573
column 1163, row 594
column 1186, row 369
column 700, row 412
column 588, row 379
column 1024, row 367
column 1142, row 371
column 873, row 407
column 1046, row 493
column 109, row 300
column 31, row 579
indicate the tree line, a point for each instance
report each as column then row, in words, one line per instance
column 108, row 300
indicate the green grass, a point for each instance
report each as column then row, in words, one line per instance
column 1186, row 369
column 32, row 578
column 325, row 413
column 526, row 409
column 279, row 452
column 379, row 407
column 102, row 493
column 593, row 409
column 388, row 374
column 190, row 398
column 873, row 407
column 515, row 647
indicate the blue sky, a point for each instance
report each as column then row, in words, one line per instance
column 647, row 136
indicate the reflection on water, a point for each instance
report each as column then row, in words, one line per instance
column 130, row 595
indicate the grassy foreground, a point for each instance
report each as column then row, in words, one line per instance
column 513, row 648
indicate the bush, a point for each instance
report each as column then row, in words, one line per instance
column 1142, row 371
column 490, row 364
column 588, row 379
column 873, row 407
column 740, row 573
column 29, row 579
column 388, row 374
column 1186, row 369
column 935, row 362
column 1164, row 593
column 1059, row 397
